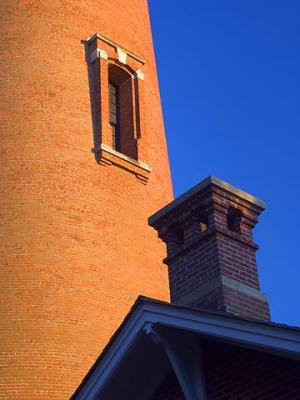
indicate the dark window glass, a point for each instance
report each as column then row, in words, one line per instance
column 114, row 116
column 234, row 219
column 122, row 111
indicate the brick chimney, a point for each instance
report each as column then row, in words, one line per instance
column 210, row 249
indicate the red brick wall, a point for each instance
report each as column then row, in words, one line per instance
column 235, row 373
column 202, row 265
column 75, row 247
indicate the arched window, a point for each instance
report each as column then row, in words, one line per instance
column 116, row 83
column 121, row 111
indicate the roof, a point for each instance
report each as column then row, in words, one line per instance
column 131, row 343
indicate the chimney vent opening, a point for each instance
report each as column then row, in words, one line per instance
column 234, row 219
column 178, row 234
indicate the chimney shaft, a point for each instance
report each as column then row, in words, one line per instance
column 210, row 249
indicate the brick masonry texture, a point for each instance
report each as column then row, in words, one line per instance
column 234, row 373
column 75, row 247
column 203, row 247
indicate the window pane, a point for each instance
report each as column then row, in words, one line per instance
column 112, row 104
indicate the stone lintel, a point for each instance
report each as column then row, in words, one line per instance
column 116, row 46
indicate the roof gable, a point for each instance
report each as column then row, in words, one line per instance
column 132, row 341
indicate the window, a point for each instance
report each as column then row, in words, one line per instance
column 121, row 111
column 116, row 87
column 114, row 116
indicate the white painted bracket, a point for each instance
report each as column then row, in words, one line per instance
column 185, row 355
column 122, row 55
column 140, row 74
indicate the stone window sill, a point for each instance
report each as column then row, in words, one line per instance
column 108, row 156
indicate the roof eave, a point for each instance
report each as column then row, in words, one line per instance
column 271, row 338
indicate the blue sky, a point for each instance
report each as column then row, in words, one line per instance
column 229, row 74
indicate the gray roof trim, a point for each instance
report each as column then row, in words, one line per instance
column 211, row 180
column 262, row 336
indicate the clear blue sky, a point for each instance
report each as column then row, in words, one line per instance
column 229, row 75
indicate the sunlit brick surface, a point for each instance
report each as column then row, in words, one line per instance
column 75, row 246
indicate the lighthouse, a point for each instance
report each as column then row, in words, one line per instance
column 83, row 164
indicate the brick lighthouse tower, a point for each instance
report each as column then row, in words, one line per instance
column 83, row 164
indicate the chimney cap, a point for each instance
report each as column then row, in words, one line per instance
column 209, row 181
